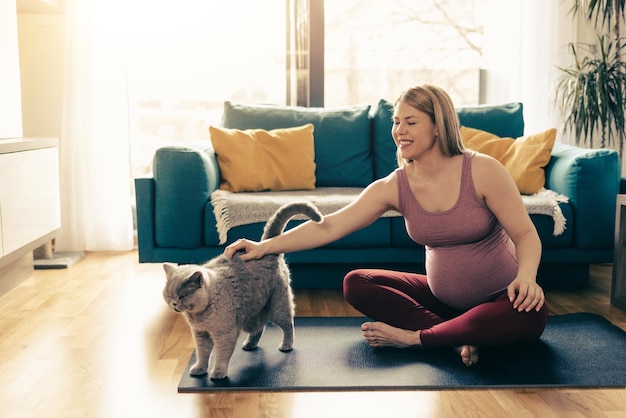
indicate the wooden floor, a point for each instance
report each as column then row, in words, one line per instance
column 97, row 340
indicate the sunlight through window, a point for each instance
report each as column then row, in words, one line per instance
column 185, row 58
column 377, row 48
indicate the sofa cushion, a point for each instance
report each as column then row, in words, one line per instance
column 505, row 120
column 253, row 160
column 524, row 157
column 385, row 160
column 545, row 228
column 343, row 155
column 376, row 235
column 399, row 236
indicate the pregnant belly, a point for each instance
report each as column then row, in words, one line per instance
column 463, row 277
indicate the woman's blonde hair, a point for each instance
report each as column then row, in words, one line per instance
column 436, row 103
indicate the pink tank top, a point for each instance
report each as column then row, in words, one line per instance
column 469, row 256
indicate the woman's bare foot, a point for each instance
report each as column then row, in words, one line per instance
column 379, row 334
column 468, row 353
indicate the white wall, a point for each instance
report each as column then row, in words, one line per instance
column 10, row 94
column 41, row 46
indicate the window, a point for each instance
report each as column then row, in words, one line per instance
column 187, row 57
column 377, row 48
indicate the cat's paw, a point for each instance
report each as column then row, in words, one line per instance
column 285, row 347
column 217, row 374
column 197, row 370
column 249, row 345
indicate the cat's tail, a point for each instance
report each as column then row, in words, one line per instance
column 278, row 221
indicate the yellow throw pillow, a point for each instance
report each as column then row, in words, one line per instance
column 524, row 157
column 253, row 160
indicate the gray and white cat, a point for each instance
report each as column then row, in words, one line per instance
column 222, row 297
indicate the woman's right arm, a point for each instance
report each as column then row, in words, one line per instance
column 376, row 199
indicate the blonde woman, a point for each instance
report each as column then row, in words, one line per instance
column 482, row 249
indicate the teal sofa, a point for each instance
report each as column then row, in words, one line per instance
column 353, row 146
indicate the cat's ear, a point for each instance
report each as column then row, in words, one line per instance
column 197, row 279
column 169, row 267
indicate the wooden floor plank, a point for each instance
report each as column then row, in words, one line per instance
column 97, row 340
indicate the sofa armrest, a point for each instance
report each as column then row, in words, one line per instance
column 591, row 180
column 185, row 176
column 144, row 197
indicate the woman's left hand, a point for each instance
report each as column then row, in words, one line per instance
column 525, row 294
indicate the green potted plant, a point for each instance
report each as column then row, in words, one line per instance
column 591, row 93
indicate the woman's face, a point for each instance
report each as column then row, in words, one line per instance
column 412, row 131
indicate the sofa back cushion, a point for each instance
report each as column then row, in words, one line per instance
column 385, row 160
column 505, row 120
column 342, row 139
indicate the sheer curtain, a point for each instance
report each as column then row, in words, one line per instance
column 141, row 74
column 547, row 28
column 94, row 147
column 522, row 54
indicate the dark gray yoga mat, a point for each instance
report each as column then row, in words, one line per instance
column 576, row 350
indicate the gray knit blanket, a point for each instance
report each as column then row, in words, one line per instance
column 241, row 208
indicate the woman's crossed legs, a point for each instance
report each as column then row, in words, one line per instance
column 409, row 314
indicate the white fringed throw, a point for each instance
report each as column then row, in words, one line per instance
column 235, row 209
column 546, row 202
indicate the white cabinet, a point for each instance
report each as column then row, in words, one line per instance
column 29, row 194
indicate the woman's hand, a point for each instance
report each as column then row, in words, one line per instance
column 251, row 250
column 525, row 294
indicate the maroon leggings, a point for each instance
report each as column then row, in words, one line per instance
column 405, row 301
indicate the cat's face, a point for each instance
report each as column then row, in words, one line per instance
column 185, row 288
